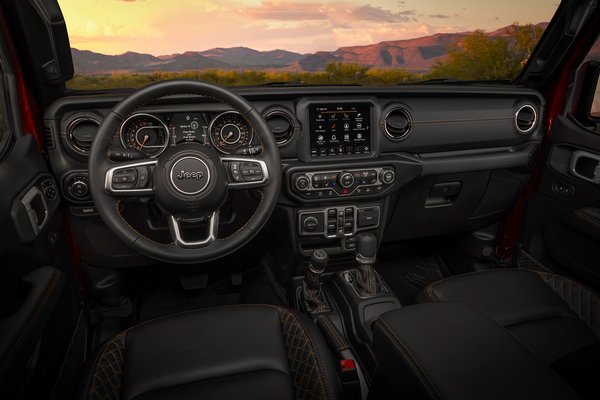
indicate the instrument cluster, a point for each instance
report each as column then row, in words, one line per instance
column 228, row 132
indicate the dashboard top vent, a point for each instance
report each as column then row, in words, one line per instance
column 281, row 125
column 81, row 133
column 525, row 118
column 397, row 123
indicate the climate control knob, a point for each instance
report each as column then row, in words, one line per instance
column 388, row 176
column 301, row 182
column 346, row 179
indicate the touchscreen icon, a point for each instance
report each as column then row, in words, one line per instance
column 320, row 138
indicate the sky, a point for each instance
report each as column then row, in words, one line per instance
column 161, row 27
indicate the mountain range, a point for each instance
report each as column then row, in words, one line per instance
column 416, row 55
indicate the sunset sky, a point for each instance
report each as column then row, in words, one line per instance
column 161, row 27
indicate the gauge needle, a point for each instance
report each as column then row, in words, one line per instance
column 146, row 137
column 224, row 139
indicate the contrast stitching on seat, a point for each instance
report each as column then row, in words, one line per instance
column 37, row 312
column 580, row 299
column 407, row 355
column 105, row 378
column 298, row 342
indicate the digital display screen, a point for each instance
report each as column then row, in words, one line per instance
column 339, row 129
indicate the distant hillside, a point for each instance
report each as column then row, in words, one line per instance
column 245, row 57
column 416, row 55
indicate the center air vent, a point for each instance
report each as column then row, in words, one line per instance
column 397, row 123
column 281, row 126
column 81, row 133
column 525, row 119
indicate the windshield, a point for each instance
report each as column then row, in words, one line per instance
column 130, row 43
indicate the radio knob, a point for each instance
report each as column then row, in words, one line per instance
column 301, row 182
column 388, row 176
column 346, row 179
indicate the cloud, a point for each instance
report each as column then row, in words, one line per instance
column 286, row 10
column 441, row 16
column 378, row 14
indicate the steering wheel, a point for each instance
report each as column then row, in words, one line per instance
column 188, row 182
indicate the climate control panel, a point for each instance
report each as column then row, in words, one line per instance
column 342, row 183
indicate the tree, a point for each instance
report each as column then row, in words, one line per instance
column 484, row 57
column 340, row 72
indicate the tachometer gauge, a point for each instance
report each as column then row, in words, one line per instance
column 146, row 133
column 230, row 132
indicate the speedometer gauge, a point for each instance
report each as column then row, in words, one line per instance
column 230, row 132
column 146, row 133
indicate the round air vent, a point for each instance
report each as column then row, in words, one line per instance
column 281, row 126
column 397, row 123
column 525, row 119
column 81, row 133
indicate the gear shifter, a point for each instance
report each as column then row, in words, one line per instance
column 366, row 252
column 311, row 287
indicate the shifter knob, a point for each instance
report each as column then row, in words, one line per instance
column 366, row 245
column 316, row 266
column 318, row 261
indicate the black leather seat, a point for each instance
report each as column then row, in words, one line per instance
column 552, row 315
column 238, row 352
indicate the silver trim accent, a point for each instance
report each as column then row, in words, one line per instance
column 190, row 158
column 573, row 164
column 213, row 230
column 355, row 228
column 408, row 117
column 109, row 178
column 72, row 126
column 379, row 182
column 210, row 126
column 290, row 120
column 163, row 125
column 535, row 118
column 26, row 200
column 242, row 185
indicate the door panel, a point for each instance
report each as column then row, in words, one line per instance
column 562, row 224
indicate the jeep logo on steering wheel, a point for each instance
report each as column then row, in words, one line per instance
column 190, row 175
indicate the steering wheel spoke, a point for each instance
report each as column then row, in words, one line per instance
column 245, row 172
column 175, row 226
column 130, row 179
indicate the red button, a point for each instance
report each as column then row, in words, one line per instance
column 347, row 365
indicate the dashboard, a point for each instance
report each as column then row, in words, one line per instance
column 404, row 162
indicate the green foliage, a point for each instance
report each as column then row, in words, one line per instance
column 335, row 73
column 482, row 57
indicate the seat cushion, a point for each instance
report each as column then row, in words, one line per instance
column 521, row 301
column 452, row 350
column 248, row 352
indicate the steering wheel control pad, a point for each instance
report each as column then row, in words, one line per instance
column 190, row 181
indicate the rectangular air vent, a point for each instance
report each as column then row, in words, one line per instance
column 49, row 136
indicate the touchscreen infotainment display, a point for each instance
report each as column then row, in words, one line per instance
column 339, row 129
